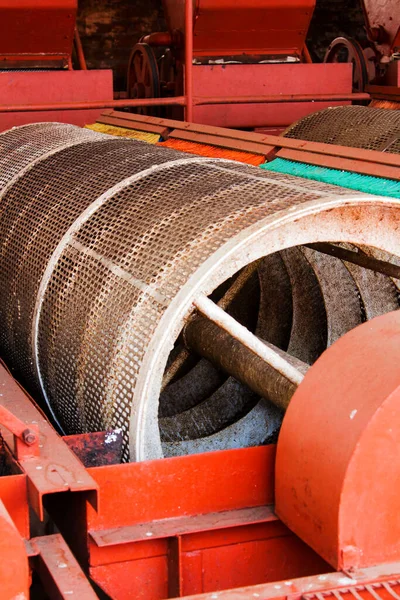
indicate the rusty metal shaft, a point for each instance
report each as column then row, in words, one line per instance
column 217, row 345
column 358, row 258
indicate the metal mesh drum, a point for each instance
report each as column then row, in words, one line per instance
column 355, row 126
column 105, row 244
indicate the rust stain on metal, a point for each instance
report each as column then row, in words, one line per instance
column 97, row 449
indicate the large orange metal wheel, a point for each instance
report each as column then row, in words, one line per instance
column 143, row 77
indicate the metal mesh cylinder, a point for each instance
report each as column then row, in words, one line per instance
column 105, row 243
column 355, row 126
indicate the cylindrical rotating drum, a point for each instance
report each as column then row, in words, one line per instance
column 108, row 245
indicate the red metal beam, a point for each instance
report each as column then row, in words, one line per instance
column 384, row 92
column 357, row 159
column 279, row 98
column 59, row 571
column 178, row 100
column 165, row 528
column 189, row 60
column 240, row 145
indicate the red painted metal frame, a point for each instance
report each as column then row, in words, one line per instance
column 189, row 525
column 63, row 102
column 290, row 98
column 54, row 469
column 174, row 521
column 316, row 587
column 280, row 93
column 283, row 110
column 60, row 573
column 384, row 92
column 21, row 91
column 188, row 63
column 199, row 524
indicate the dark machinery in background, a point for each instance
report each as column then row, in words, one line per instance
column 253, row 71
column 229, row 77
column 254, row 67
column 377, row 62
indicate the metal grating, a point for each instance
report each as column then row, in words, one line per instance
column 96, row 242
column 70, row 177
column 21, row 146
column 355, row 126
column 380, row 590
column 122, row 267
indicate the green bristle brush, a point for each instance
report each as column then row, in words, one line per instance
column 353, row 181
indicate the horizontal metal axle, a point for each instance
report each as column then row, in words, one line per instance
column 265, row 369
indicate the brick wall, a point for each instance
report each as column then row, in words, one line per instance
column 110, row 28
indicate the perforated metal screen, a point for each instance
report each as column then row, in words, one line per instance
column 355, row 126
column 97, row 240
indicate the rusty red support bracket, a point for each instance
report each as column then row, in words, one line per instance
column 56, row 469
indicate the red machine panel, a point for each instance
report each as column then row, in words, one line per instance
column 267, row 80
column 35, row 87
column 37, row 32
column 184, row 526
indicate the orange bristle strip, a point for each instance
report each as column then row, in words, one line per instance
column 214, row 151
column 387, row 104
